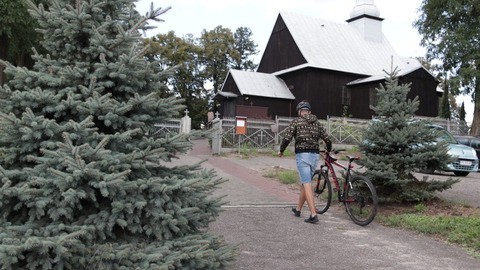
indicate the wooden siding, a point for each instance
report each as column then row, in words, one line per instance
column 281, row 51
column 360, row 101
column 422, row 85
column 425, row 87
column 254, row 112
column 322, row 88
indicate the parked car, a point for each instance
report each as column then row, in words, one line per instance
column 466, row 160
column 471, row 141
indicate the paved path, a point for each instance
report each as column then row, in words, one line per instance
column 258, row 219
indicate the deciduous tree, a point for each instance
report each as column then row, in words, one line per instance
column 219, row 52
column 246, row 48
column 180, row 56
column 450, row 34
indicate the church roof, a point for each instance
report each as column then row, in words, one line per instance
column 340, row 46
column 260, row 84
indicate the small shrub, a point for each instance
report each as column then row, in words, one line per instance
column 420, row 208
column 283, row 175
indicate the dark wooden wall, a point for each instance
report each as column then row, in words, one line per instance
column 281, row 51
column 322, row 88
column 425, row 87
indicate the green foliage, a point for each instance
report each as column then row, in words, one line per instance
column 246, row 150
column 449, row 30
column 199, row 61
column 345, row 112
column 462, row 112
column 246, row 48
column 222, row 50
column 445, row 103
column 459, row 230
column 17, row 34
column 83, row 187
column 286, row 153
column 218, row 53
column 288, row 177
column 283, row 175
column 396, row 146
column 420, row 207
column 180, row 57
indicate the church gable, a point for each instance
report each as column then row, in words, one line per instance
column 281, row 43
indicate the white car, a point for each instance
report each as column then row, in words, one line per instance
column 466, row 160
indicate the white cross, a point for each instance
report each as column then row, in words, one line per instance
column 186, row 112
column 217, row 114
column 261, row 135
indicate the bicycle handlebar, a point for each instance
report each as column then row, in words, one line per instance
column 335, row 151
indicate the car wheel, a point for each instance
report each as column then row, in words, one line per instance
column 461, row 173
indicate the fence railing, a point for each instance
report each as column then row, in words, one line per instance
column 166, row 128
column 345, row 130
column 170, row 127
column 267, row 134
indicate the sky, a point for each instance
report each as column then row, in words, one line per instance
column 194, row 16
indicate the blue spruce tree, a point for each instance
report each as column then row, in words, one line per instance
column 397, row 146
column 83, row 187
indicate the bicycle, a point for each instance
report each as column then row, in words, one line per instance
column 357, row 192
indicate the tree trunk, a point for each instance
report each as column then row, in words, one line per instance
column 475, row 130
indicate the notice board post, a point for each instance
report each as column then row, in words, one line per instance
column 240, row 128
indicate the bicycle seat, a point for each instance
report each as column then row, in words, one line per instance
column 350, row 158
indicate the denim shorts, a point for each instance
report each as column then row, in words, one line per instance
column 306, row 165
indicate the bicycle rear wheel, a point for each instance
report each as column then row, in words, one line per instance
column 361, row 200
column 322, row 191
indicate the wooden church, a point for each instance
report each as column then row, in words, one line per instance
column 335, row 66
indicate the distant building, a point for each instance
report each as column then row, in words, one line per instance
column 335, row 66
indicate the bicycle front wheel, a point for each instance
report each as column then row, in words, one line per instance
column 322, row 191
column 361, row 200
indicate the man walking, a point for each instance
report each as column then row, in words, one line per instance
column 307, row 132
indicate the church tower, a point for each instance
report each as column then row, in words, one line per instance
column 365, row 17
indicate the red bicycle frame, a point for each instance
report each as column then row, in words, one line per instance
column 331, row 160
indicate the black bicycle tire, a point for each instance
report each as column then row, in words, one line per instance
column 324, row 186
column 374, row 197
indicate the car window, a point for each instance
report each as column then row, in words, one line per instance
column 444, row 135
column 463, row 140
column 475, row 143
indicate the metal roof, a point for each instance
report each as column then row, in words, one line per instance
column 340, row 46
column 327, row 45
column 227, row 94
column 260, row 84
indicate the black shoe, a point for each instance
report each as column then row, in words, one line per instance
column 296, row 212
column 311, row 219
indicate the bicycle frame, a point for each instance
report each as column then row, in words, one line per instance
column 330, row 161
column 357, row 193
